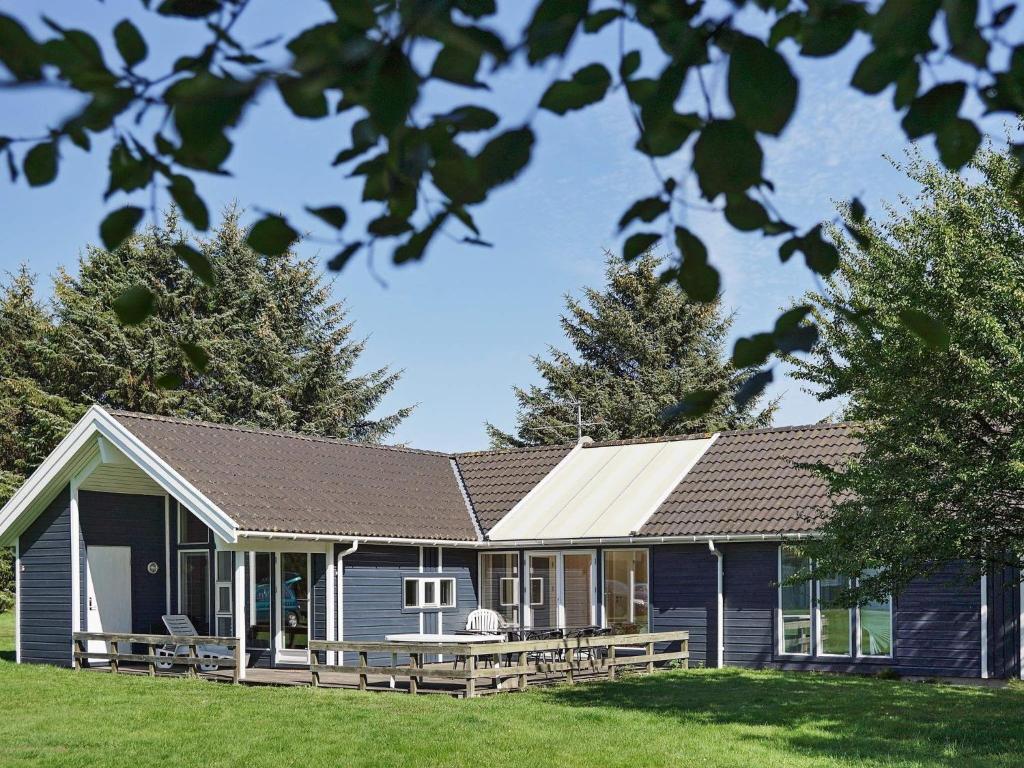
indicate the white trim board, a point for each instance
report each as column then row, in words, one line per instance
column 78, row 448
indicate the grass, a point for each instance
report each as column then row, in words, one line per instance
column 705, row 718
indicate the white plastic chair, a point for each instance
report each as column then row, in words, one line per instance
column 180, row 624
column 484, row 620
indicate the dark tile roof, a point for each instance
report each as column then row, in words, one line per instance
column 748, row 483
column 496, row 480
column 278, row 481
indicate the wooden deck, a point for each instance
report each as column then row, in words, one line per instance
column 470, row 669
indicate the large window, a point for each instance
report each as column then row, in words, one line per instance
column 429, row 593
column 875, row 621
column 626, row 591
column 814, row 622
column 795, row 600
column 260, row 602
column 293, row 588
column 499, row 584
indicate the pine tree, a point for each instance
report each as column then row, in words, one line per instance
column 640, row 345
column 281, row 353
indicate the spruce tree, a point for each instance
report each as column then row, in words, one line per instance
column 639, row 346
column 281, row 353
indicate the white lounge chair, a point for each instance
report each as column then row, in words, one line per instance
column 181, row 625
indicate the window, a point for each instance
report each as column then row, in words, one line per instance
column 626, row 602
column 261, row 567
column 833, row 619
column 795, row 600
column 875, row 622
column 223, row 607
column 499, row 584
column 536, row 590
column 814, row 622
column 191, row 530
column 428, row 593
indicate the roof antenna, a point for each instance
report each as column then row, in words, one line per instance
column 573, row 402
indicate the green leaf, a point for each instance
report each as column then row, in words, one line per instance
column 303, row 96
column 787, row 26
column 819, row 254
column 342, row 257
column 752, row 388
column 505, row 156
column 727, row 158
column 415, row 247
column 40, row 164
column 587, row 86
column 271, row 236
column 752, row 350
column 388, row 226
column 931, row 330
column 130, row 43
column 629, row 65
column 646, row 209
column 22, row 55
column 907, row 86
column 830, row 28
column 744, row 213
column 962, row 28
column 762, row 88
column 957, row 142
column 183, row 192
column 695, row 276
column 638, row 244
column 134, row 305
column 878, row 69
column 470, row 118
column 667, row 134
column 332, row 215
column 457, row 65
column 552, row 27
column 393, row 92
column 196, row 355
column 119, row 226
column 693, row 405
column 598, row 20
column 190, row 9
column 929, row 112
column 197, row 262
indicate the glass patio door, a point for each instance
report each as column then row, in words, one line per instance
column 560, row 589
column 293, row 604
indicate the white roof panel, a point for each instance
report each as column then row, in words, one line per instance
column 602, row 491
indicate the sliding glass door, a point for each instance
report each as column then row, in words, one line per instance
column 293, row 588
column 560, row 589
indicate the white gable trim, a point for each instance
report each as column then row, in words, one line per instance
column 97, row 426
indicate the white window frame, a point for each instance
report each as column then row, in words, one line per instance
column 851, row 626
column 183, row 511
column 781, row 640
column 515, row 591
column 632, row 585
column 421, row 603
column 560, row 554
column 220, row 582
column 892, row 639
column 539, row 580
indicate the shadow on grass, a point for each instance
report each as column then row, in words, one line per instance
column 825, row 715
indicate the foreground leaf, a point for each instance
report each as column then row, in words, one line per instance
column 119, row 226
column 134, row 305
column 271, row 236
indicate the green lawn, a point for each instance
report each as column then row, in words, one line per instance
column 699, row 718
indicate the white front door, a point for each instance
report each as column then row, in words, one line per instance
column 108, row 575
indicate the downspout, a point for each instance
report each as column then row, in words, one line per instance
column 339, row 625
column 719, row 607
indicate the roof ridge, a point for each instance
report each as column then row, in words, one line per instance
column 517, row 449
column 645, row 440
column 273, row 432
column 791, row 428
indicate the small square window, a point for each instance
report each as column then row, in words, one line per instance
column 412, row 593
column 224, row 628
column 224, row 565
column 447, row 593
column 509, row 591
column 537, row 590
column 223, row 598
column 429, row 593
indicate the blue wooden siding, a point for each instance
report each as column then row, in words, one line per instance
column 118, row 519
column 462, row 564
column 683, row 593
column 1004, row 622
column 45, row 585
column 750, row 597
column 372, row 586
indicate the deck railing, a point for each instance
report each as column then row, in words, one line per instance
column 499, row 661
column 119, row 651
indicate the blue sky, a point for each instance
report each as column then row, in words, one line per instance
column 464, row 323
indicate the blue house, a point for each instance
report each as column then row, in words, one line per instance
column 278, row 539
